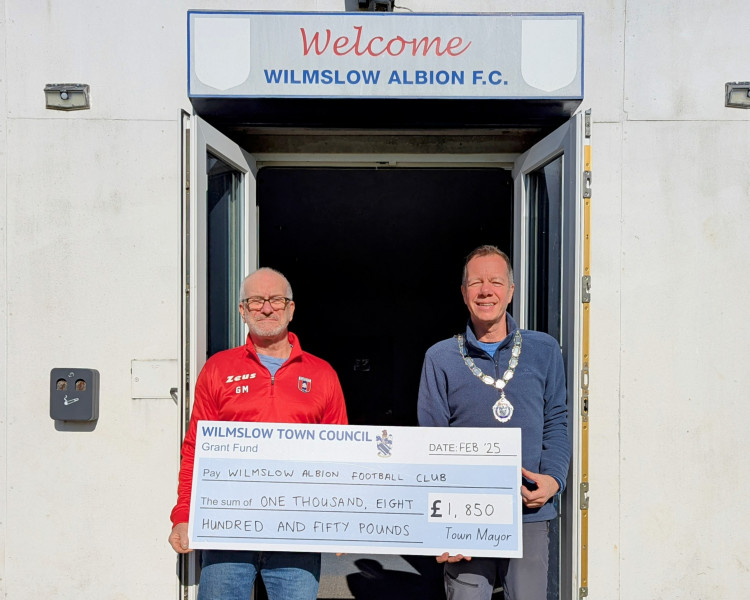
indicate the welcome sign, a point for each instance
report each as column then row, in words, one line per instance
column 385, row 55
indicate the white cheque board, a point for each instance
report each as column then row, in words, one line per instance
column 357, row 489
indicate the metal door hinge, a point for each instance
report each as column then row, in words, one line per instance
column 587, row 123
column 586, row 289
column 583, row 592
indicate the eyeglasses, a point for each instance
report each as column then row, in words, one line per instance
column 257, row 302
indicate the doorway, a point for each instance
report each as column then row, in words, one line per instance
column 375, row 259
column 374, row 254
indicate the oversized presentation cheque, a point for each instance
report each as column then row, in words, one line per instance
column 357, row 489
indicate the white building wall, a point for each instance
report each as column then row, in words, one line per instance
column 92, row 280
column 90, row 267
column 3, row 303
column 683, row 257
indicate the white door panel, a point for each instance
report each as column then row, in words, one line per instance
column 547, row 260
column 211, row 142
column 211, row 151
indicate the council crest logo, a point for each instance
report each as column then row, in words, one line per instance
column 384, row 443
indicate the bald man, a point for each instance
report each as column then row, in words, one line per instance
column 279, row 384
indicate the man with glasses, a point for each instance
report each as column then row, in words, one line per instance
column 269, row 379
column 496, row 375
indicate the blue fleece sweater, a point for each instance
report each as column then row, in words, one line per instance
column 451, row 396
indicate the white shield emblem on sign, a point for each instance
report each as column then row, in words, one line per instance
column 549, row 53
column 221, row 51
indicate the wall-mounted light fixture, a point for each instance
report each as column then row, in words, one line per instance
column 738, row 94
column 67, row 96
column 376, row 5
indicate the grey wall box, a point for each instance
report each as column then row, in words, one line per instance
column 74, row 394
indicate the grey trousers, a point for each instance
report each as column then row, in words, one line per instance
column 522, row 578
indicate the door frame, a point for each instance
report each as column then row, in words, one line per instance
column 197, row 139
column 566, row 140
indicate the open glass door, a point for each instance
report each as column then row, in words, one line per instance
column 224, row 233
column 219, row 229
column 547, row 253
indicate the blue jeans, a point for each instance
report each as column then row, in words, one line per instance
column 522, row 578
column 230, row 574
